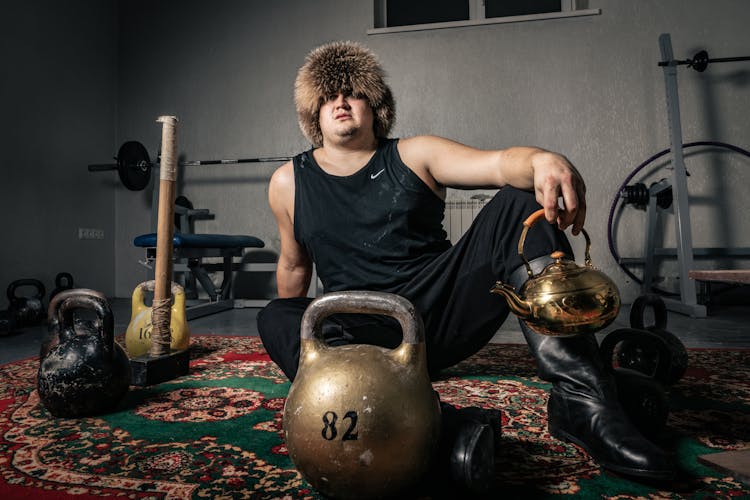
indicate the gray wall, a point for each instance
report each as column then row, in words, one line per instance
column 58, row 99
column 588, row 87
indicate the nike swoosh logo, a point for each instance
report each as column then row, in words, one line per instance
column 375, row 176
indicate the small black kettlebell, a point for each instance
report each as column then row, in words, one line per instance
column 28, row 311
column 634, row 356
column 644, row 400
column 63, row 281
column 672, row 360
column 52, row 337
column 86, row 373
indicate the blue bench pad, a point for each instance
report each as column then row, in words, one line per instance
column 203, row 241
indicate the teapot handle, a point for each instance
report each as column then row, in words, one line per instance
column 530, row 221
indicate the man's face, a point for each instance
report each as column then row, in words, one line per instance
column 343, row 117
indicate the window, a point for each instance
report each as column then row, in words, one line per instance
column 412, row 15
column 408, row 12
column 505, row 8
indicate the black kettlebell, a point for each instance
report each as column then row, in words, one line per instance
column 633, row 356
column 86, row 373
column 81, row 325
column 63, row 281
column 672, row 355
column 28, row 311
column 644, row 400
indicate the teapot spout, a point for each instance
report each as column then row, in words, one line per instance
column 519, row 307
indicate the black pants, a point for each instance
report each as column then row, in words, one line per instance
column 451, row 293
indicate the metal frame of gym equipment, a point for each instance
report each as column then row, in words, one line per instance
column 687, row 303
column 188, row 261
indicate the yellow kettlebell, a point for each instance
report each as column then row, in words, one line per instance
column 138, row 334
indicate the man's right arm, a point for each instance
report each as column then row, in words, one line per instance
column 294, row 269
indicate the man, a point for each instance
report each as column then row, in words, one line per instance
column 367, row 211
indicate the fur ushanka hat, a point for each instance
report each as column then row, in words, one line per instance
column 346, row 67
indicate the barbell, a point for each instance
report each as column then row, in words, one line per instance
column 134, row 164
column 700, row 61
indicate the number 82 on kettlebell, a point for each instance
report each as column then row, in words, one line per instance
column 329, row 431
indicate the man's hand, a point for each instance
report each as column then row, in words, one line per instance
column 554, row 178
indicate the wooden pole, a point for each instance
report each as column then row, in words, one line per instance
column 161, row 309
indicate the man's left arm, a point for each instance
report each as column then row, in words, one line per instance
column 550, row 175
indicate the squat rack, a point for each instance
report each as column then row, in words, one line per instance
column 687, row 303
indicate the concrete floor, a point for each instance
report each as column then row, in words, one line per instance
column 725, row 327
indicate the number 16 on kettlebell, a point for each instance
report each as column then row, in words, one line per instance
column 361, row 421
column 138, row 334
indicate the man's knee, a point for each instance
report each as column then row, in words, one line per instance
column 515, row 201
column 279, row 327
column 281, row 314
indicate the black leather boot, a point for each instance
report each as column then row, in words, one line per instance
column 583, row 405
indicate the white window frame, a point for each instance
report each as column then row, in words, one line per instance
column 568, row 8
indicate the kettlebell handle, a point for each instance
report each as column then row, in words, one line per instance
column 150, row 285
column 363, row 302
column 54, row 304
column 530, row 221
column 39, row 292
column 101, row 307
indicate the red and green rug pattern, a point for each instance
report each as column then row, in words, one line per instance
column 216, row 433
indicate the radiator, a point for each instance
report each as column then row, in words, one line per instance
column 459, row 214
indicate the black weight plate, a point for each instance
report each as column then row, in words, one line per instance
column 638, row 312
column 134, row 165
column 700, row 61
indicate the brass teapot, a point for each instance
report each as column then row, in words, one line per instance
column 564, row 299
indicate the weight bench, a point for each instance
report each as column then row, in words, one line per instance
column 193, row 248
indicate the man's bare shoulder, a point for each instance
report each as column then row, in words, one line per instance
column 283, row 176
column 281, row 187
column 418, row 141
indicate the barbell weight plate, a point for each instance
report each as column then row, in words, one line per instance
column 700, row 61
column 134, row 165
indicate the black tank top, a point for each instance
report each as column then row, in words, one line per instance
column 372, row 230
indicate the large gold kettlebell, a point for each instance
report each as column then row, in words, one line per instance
column 362, row 421
column 138, row 334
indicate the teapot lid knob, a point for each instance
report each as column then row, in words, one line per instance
column 557, row 255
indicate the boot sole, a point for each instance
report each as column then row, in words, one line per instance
column 628, row 471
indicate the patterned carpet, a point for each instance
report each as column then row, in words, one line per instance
column 216, row 434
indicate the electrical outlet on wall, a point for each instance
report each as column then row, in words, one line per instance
column 90, row 234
